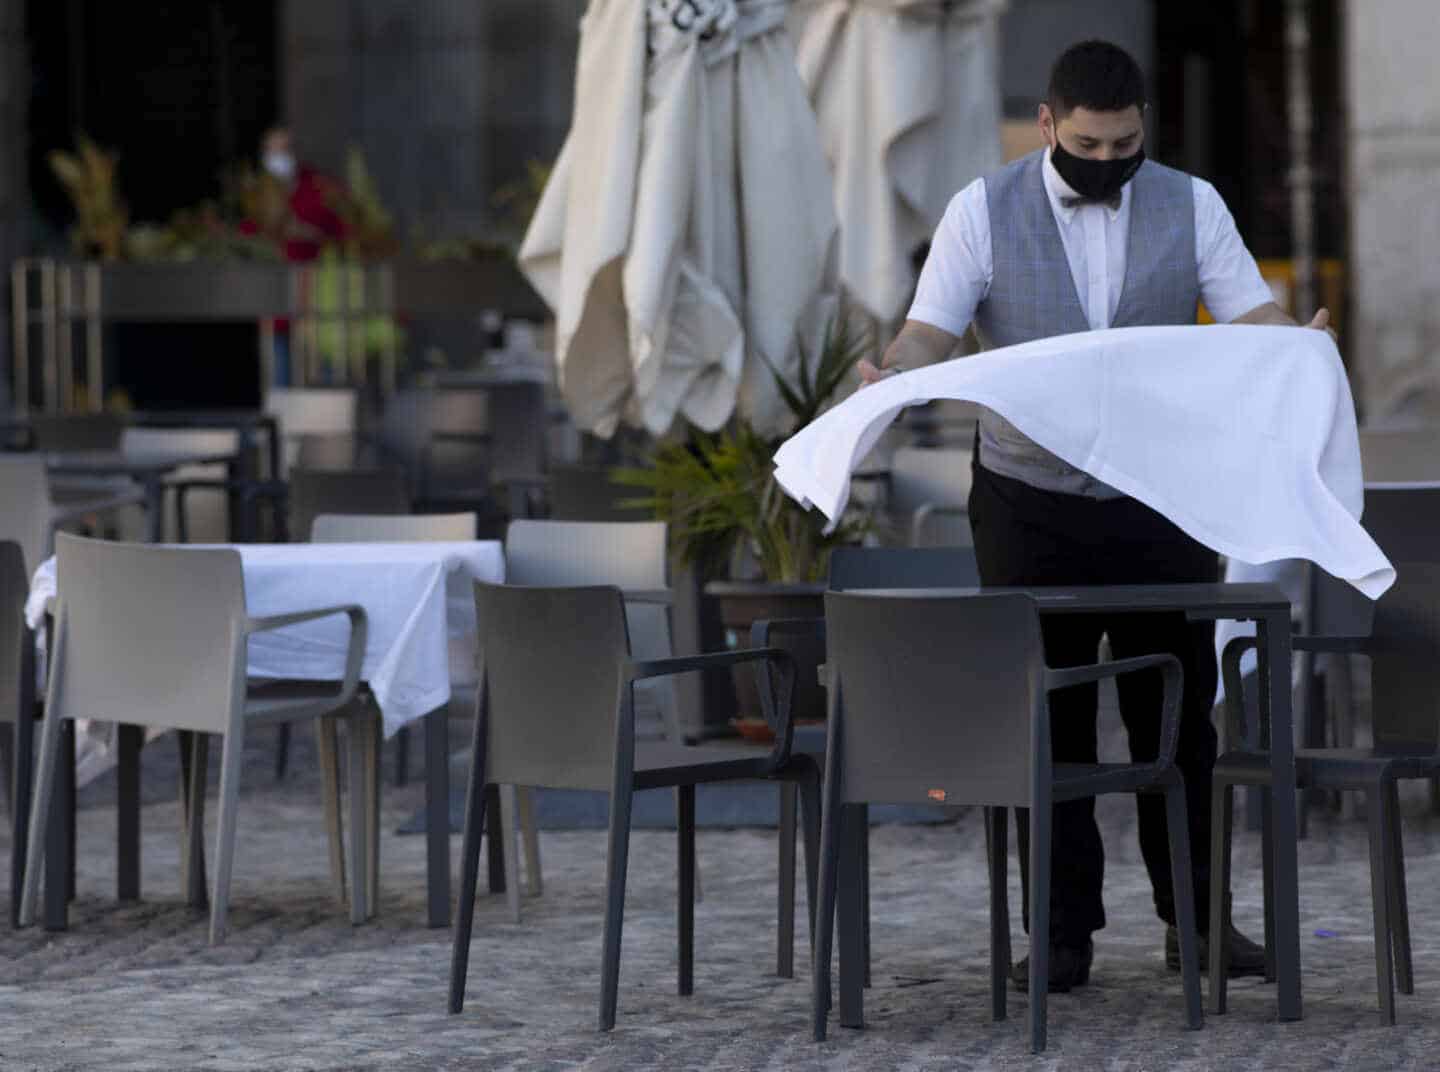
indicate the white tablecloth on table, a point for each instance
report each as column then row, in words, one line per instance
column 418, row 604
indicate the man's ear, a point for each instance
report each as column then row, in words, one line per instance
column 1046, row 118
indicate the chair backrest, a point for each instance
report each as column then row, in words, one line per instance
column 148, row 635
column 586, row 493
column 392, row 528
column 903, row 567
column 314, row 415
column 14, row 585
column 1389, row 455
column 930, row 494
column 543, row 727
column 630, row 555
column 25, row 509
column 339, row 491
column 1405, row 522
column 1405, row 661
column 76, row 431
column 941, row 700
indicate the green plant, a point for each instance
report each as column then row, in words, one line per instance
column 718, row 492
column 101, row 217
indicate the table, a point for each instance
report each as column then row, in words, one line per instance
column 245, row 423
column 420, row 639
column 1267, row 606
column 147, row 468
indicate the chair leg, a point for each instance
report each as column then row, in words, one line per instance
column 374, row 787
column 1182, row 878
column 1399, row 898
column 328, row 747
column 530, row 837
column 685, row 830
column 864, row 836
column 996, row 838
column 193, row 864
column 810, row 826
column 1267, row 878
column 230, row 755
column 616, row 865
column 40, row 818
column 825, row 914
column 282, row 750
column 21, row 798
column 1343, row 693
column 508, row 808
column 129, row 740
column 402, row 755
column 69, row 796
column 1222, row 816
column 494, row 841
column 476, row 799
column 1040, row 820
column 60, row 863
column 851, row 912
column 357, row 754
column 1379, row 894
column 785, row 933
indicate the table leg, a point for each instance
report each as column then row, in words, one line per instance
column 155, row 509
column 127, row 839
column 437, row 816
column 1274, row 636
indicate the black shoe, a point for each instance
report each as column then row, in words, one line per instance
column 1246, row 958
column 1069, row 968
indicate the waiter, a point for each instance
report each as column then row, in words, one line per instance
column 1083, row 235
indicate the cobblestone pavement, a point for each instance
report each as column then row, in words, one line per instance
column 134, row 986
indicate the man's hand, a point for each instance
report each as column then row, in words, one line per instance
column 872, row 373
column 917, row 344
column 1321, row 322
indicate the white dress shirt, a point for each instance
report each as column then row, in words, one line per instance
column 958, row 271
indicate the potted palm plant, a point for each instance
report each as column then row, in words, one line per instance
column 762, row 554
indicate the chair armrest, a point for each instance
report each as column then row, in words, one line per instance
column 354, row 654
column 784, row 698
column 1080, row 675
column 760, row 631
column 1168, row 665
column 1236, row 728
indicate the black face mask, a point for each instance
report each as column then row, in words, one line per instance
column 1096, row 180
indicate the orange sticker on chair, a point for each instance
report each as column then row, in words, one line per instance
column 936, row 794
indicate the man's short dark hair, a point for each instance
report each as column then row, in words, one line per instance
column 1095, row 75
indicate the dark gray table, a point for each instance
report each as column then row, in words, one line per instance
column 1269, row 608
column 147, row 468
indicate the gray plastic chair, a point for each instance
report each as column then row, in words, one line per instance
column 378, row 528
column 587, row 493
column 30, row 516
column 945, row 700
column 630, row 555
column 17, row 707
column 804, row 639
column 577, row 730
column 134, row 644
column 1404, row 649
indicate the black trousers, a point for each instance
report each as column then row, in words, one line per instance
column 1025, row 536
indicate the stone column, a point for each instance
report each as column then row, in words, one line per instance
column 1393, row 113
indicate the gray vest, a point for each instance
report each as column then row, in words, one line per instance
column 1032, row 293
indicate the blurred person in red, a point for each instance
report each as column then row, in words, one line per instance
column 296, row 207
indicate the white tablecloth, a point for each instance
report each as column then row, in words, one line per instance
column 417, row 600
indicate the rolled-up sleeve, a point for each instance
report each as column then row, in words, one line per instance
column 959, row 267
column 1230, row 280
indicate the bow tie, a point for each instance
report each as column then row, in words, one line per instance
column 1113, row 203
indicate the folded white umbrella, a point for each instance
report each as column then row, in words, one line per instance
column 688, row 228
column 1243, row 436
column 908, row 98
